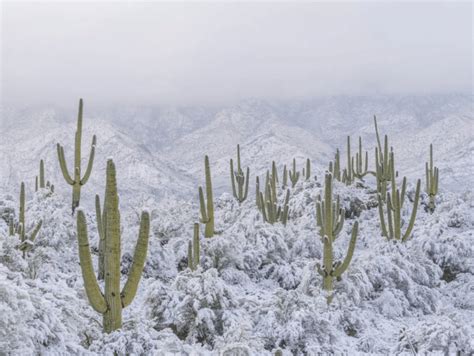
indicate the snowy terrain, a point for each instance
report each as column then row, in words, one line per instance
column 257, row 289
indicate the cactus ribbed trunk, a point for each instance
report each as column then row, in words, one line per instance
column 41, row 175
column 112, row 301
column 113, row 315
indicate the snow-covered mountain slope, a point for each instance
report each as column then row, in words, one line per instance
column 257, row 289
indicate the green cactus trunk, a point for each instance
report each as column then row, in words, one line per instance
column 41, row 175
column 112, row 301
column 308, row 169
column 77, row 181
column 194, row 250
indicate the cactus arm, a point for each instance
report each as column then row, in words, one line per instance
column 62, row 164
column 379, row 145
column 93, row 292
column 35, row 231
column 403, row 193
column 340, row 223
column 101, row 218
column 350, row 252
column 202, row 204
column 411, row 224
column 90, row 164
column 139, row 257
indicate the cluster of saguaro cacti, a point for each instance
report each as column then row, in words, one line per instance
column 432, row 175
column 26, row 239
column 240, row 182
column 194, row 251
column 294, row 175
column 207, row 207
column 267, row 201
column 112, row 301
column 40, row 180
column 394, row 208
column 330, row 220
column 77, row 181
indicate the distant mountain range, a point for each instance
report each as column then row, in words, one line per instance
column 159, row 151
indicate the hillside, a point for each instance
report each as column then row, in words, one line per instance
column 257, row 288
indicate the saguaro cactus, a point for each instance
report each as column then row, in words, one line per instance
column 357, row 169
column 285, row 177
column 26, row 240
column 335, row 167
column 274, row 171
column 240, row 193
column 77, row 181
column 294, row 175
column 194, row 252
column 207, row 208
column 308, row 169
column 112, row 301
column 394, row 215
column 268, row 203
column 330, row 220
column 347, row 174
column 432, row 175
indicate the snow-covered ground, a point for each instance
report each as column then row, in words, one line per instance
column 257, row 289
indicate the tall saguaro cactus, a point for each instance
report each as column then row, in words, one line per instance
column 26, row 240
column 194, row 251
column 207, row 208
column 239, row 192
column 77, row 182
column 432, row 176
column 267, row 202
column 330, row 220
column 112, row 301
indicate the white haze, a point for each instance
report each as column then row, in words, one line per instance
column 191, row 53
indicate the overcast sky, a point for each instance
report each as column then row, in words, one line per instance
column 191, row 53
